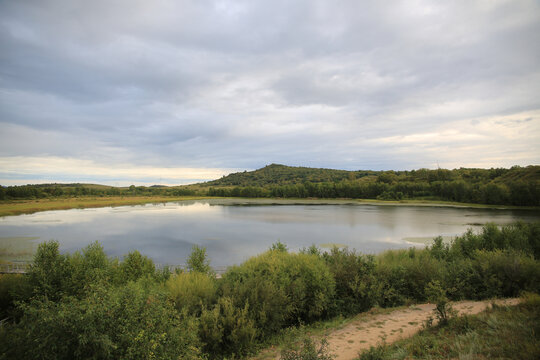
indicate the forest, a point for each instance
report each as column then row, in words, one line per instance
column 88, row 305
column 518, row 186
column 515, row 186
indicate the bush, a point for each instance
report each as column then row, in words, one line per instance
column 226, row 329
column 198, row 261
column 506, row 273
column 402, row 276
column 49, row 272
column 308, row 351
column 354, row 277
column 136, row 266
column 281, row 288
column 192, row 291
column 437, row 295
column 131, row 322
column 86, row 269
column 13, row 287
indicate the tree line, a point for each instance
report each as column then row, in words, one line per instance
column 518, row 186
column 518, row 193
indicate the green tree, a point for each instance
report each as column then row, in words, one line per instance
column 198, row 261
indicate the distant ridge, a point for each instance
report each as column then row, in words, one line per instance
column 277, row 174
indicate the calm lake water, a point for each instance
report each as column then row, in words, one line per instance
column 233, row 231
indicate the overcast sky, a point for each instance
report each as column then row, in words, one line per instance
column 145, row 92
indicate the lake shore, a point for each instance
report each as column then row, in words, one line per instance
column 18, row 207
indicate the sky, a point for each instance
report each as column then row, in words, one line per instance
column 174, row 92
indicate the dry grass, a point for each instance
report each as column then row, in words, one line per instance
column 17, row 207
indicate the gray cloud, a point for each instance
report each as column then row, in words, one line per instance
column 240, row 84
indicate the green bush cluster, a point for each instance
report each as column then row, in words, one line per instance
column 86, row 304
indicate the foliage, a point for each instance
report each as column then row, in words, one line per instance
column 437, row 295
column 279, row 246
column 226, row 329
column 355, row 280
column 197, row 260
column 308, row 351
column 73, row 305
column 192, row 291
column 130, row 322
column 402, row 276
column 13, row 287
column 515, row 186
column 49, row 271
column 281, row 288
column 136, row 266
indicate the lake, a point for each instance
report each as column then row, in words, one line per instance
column 233, row 230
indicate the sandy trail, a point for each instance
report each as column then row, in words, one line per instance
column 361, row 334
column 372, row 329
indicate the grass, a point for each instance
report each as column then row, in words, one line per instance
column 500, row 332
column 17, row 207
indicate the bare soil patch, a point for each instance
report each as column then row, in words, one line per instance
column 372, row 329
column 347, row 342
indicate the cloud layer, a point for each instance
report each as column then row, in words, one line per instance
column 214, row 86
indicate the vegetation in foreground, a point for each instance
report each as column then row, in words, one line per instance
column 87, row 305
column 517, row 186
column 498, row 333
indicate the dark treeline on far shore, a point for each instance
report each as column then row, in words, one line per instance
column 43, row 191
column 515, row 186
column 87, row 305
column 518, row 186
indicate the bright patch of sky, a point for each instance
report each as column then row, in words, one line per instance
column 173, row 92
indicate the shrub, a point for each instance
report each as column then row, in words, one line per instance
column 13, row 287
column 506, row 273
column 437, row 295
column 308, row 351
column 402, row 276
column 354, row 277
column 198, row 261
column 281, row 288
column 131, row 322
column 87, row 268
column 226, row 329
column 192, row 291
column 49, row 271
column 136, row 266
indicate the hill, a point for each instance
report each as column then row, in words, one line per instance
column 276, row 174
column 515, row 186
column 518, row 186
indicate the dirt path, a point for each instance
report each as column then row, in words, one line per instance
column 371, row 329
column 359, row 335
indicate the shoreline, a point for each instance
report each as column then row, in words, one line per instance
column 20, row 207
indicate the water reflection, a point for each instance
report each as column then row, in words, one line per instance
column 233, row 231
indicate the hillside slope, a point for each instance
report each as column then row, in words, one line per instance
column 276, row 174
